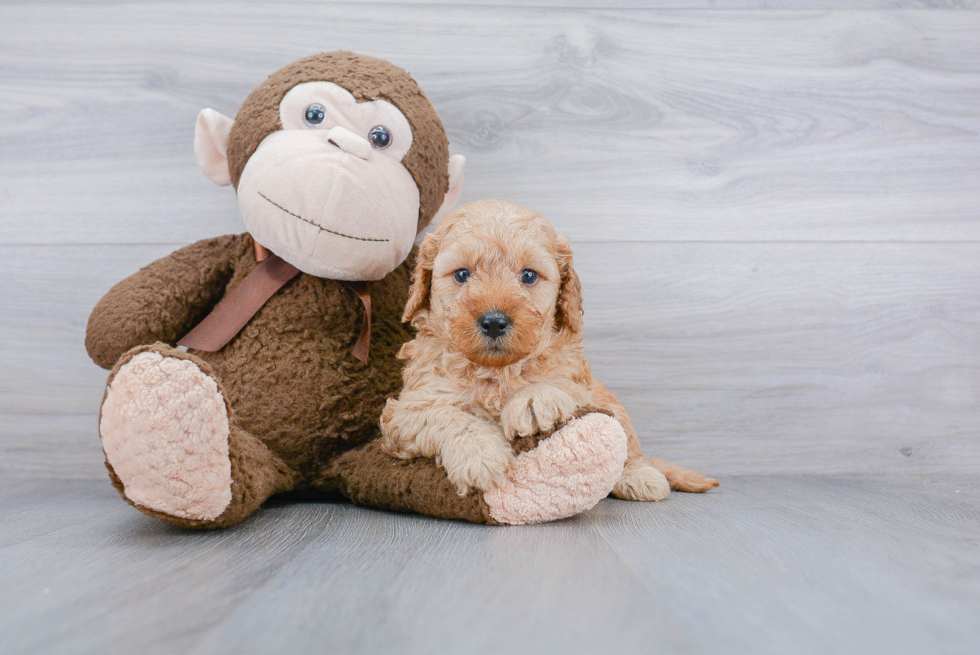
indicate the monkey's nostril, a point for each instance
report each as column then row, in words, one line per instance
column 494, row 324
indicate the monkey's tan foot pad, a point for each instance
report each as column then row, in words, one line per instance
column 567, row 473
column 164, row 428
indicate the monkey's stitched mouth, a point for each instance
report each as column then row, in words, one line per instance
column 322, row 229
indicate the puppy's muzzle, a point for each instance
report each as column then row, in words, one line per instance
column 495, row 324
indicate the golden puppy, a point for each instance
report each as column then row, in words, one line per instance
column 498, row 309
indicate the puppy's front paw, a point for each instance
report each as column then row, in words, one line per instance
column 536, row 409
column 478, row 460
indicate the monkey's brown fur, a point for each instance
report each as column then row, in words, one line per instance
column 304, row 411
column 301, row 407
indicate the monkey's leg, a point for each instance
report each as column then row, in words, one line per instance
column 557, row 475
column 369, row 476
column 173, row 448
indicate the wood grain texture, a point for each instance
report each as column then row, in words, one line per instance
column 762, row 565
column 825, row 357
column 610, row 4
column 50, row 390
column 623, row 124
column 733, row 358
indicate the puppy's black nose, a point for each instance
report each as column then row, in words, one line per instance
column 494, row 324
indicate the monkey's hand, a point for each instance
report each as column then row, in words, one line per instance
column 163, row 301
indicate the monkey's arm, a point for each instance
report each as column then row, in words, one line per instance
column 164, row 300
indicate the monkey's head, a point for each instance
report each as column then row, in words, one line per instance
column 339, row 161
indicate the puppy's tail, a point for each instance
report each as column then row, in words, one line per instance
column 682, row 479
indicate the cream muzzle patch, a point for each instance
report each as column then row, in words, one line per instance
column 328, row 212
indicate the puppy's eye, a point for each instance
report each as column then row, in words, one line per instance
column 315, row 115
column 461, row 275
column 528, row 277
column 380, row 137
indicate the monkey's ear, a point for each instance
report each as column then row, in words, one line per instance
column 416, row 309
column 456, row 165
column 211, row 135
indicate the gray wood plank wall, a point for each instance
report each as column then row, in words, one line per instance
column 775, row 212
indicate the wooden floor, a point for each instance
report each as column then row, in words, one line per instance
column 762, row 565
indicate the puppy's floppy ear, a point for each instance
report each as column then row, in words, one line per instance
column 568, row 312
column 418, row 295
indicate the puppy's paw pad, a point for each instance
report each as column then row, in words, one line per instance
column 642, row 482
column 566, row 474
column 164, row 429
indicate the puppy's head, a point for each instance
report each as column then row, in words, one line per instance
column 495, row 283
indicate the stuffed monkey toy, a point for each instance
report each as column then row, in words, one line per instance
column 256, row 364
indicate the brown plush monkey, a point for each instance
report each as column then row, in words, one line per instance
column 339, row 160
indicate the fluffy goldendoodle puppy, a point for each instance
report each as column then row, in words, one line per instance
column 498, row 309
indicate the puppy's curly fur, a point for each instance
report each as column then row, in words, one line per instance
column 467, row 395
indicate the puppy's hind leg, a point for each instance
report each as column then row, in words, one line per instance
column 652, row 479
column 641, row 481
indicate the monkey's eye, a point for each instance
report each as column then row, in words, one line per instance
column 461, row 275
column 380, row 137
column 315, row 115
column 529, row 277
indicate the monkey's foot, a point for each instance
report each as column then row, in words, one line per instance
column 565, row 474
column 165, row 431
